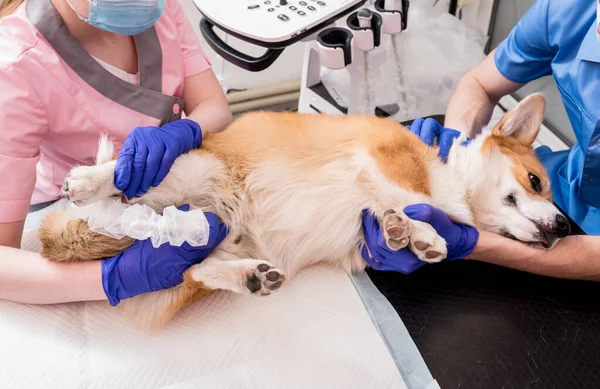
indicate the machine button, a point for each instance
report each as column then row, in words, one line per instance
column 303, row 3
column 311, row 8
column 301, row 13
column 268, row 2
column 253, row 6
column 271, row 9
column 321, row 3
column 283, row 17
column 282, row 2
column 293, row 8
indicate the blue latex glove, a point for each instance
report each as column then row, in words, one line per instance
column 379, row 256
column 142, row 268
column 149, row 152
column 429, row 129
column 460, row 240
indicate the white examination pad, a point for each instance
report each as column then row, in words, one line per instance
column 321, row 330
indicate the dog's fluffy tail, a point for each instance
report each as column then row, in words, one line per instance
column 106, row 150
column 67, row 239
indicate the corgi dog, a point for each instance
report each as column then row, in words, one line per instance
column 292, row 188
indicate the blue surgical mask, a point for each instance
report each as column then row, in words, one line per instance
column 129, row 17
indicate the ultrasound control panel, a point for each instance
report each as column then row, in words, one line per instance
column 272, row 20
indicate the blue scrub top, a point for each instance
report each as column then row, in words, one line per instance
column 558, row 38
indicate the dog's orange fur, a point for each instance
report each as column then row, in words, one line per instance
column 315, row 140
column 189, row 292
column 525, row 162
column 522, row 155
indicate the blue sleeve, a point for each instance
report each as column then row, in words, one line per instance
column 526, row 55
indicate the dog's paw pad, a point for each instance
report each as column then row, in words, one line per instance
column 263, row 267
column 396, row 229
column 432, row 254
column 273, row 276
column 264, row 279
column 422, row 245
column 427, row 245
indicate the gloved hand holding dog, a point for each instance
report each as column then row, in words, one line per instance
column 429, row 129
column 144, row 161
column 149, row 152
column 142, row 268
column 460, row 239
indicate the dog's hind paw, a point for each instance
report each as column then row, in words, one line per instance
column 244, row 276
column 263, row 278
column 87, row 184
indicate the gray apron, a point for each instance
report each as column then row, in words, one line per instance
column 147, row 98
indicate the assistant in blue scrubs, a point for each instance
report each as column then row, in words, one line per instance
column 561, row 38
column 558, row 38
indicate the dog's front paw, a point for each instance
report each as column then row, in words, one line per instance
column 396, row 229
column 425, row 242
column 263, row 278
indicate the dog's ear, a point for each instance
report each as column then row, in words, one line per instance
column 523, row 121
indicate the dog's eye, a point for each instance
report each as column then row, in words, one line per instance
column 511, row 200
column 535, row 182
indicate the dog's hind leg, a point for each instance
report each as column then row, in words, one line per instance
column 88, row 184
column 244, row 276
column 65, row 239
column 194, row 178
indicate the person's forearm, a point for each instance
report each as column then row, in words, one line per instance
column 470, row 108
column 205, row 102
column 27, row 277
column 212, row 115
column 575, row 257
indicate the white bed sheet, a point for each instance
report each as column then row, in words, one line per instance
column 313, row 333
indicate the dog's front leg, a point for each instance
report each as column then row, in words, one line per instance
column 421, row 238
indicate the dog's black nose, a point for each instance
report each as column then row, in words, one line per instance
column 563, row 227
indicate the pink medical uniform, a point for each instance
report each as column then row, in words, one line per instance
column 56, row 100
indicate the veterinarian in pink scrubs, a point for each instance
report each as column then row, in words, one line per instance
column 70, row 70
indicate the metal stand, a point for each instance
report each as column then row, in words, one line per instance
column 356, row 50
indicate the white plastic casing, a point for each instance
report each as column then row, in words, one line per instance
column 332, row 57
column 392, row 22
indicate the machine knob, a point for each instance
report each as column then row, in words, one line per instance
column 364, row 18
column 282, row 2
